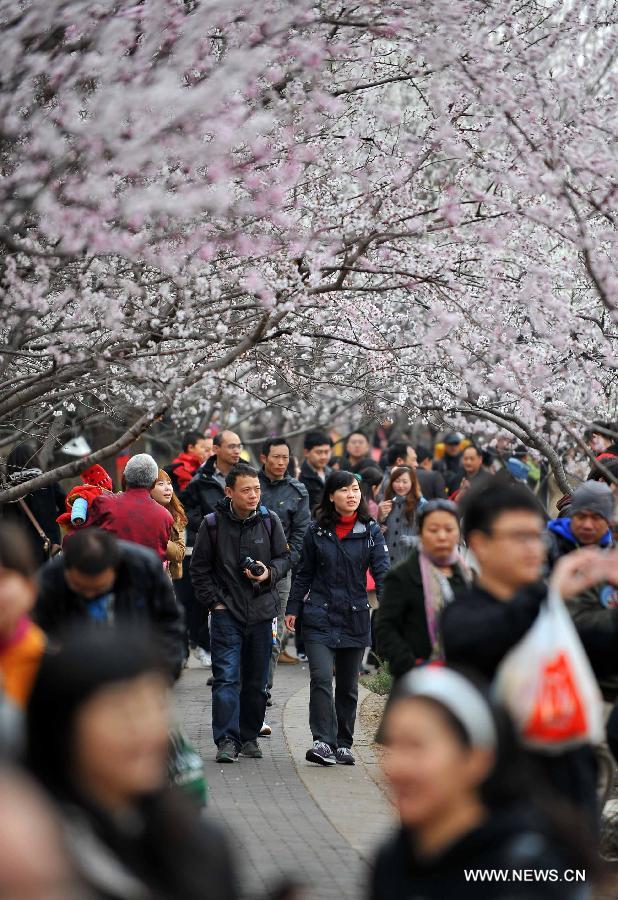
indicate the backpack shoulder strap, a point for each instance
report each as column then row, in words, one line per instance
column 267, row 520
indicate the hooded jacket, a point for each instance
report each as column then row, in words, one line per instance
column 561, row 540
column 216, row 568
column 290, row 500
column 331, row 583
column 182, row 469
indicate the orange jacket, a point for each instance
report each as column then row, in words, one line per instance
column 20, row 657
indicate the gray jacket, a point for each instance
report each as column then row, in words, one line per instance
column 216, row 570
column 290, row 500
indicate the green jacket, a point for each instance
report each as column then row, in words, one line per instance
column 402, row 636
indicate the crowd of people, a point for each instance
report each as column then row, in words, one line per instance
column 431, row 562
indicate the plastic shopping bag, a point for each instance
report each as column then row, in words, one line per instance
column 548, row 686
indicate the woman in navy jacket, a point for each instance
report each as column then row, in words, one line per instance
column 331, row 584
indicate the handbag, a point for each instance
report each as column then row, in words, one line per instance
column 548, row 686
column 185, row 767
column 49, row 547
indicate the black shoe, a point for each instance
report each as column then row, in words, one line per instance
column 227, row 752
column 251, row 750
column 321, row 753
column 210, row 680
column 344, row 757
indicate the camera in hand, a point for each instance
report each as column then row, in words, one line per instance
column 254, row 567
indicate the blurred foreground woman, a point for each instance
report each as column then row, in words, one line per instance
column 97, row 741
column 459, row 784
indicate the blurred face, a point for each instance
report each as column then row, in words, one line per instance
column 228, row 453
column 402, row 485
column 347, row 499
column 410, row 459
column 357, row 446
column 440, row 534
column 202, row 449
column 598, row 443
column 318, row 457
column 17, row 596
column 121, row 740
column 162, row 491
column 277, row 462
column 588, row 527
column 451, row 449
column 245, row 495
column 90, row 586
column 429, row 770
column 33, row 862
column 514, row 552
column 471, row 461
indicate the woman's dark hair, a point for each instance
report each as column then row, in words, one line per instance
column 175, row 852
column 414, row 495
column 325, row 512
column 89, row 659
column 23, row 456
column 16, row 550
column 371, row 477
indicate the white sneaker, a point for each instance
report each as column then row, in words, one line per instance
column 265, row 730
column 203, row 657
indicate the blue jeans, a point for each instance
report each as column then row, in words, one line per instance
column 240, row 659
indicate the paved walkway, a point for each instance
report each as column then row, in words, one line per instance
column 281, row 823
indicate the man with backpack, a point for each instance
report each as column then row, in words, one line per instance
column 240, row 554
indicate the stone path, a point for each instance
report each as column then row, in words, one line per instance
column 278, row 821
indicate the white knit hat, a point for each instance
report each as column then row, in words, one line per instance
column 141, row 471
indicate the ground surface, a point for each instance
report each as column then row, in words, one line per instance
column 282, row 822
column 287, row 818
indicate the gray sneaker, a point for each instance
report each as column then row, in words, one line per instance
column 344, row 757
column 251, row 750
column 227, row 752
column 321, row 753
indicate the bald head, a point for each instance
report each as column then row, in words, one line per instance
column 227, row 447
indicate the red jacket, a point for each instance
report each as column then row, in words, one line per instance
column 133, row 516
column 184, row 468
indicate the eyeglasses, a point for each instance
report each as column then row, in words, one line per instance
column 233, row 446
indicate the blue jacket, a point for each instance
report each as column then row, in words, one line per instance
column 561, row 540
column 331, row 584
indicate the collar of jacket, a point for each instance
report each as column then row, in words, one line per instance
column 307, row 469
column 207, row 469
column 360, row 528
column 273, row 481
column 225, row 506
column 562, row 527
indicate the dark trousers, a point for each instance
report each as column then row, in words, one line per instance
column 240, row 659
column 196, row 615
column 332, row 719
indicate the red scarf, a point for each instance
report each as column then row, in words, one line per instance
column 344, row 525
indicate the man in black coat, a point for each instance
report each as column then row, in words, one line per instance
column 315, row 469
column 290, row 500
column 102, row 579
column 240, row 554
column 504, row 528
